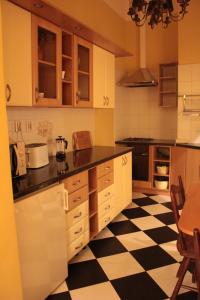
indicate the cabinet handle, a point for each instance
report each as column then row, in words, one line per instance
column 126, row 160
column 76, row 182
column 106, row 181
column 65, row 201
column 78, row 231
column 77, row 199
column 107, row 207
column 107, row 220
column 108, row 100
column 107, row 168
column 36, row 94
column 123, row 161
column 107, row 194
column 78, row 216
column 104, row 102
column 8, row 92
column 78, row 96
column 78, row 247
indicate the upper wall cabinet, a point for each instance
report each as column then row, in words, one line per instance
column 103, row 78
column 83, row 73
column 46, row 58
column 17, row 54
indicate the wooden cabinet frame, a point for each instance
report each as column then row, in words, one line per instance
column 37, row 101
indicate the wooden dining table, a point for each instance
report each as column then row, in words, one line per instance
column 190, row 216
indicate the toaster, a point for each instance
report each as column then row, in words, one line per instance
column 36, row 155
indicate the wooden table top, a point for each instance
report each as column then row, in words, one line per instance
column 190, row 216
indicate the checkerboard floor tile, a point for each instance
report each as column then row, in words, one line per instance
column 133, row 258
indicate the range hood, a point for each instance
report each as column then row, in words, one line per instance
column 142, row 77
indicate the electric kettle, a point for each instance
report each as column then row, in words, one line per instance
column 61, row 146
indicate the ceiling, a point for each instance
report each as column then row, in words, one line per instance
column 120, row 7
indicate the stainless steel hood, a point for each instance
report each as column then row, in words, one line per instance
column 142, row 77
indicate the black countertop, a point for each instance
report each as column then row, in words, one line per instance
column 149, row 142
column 188, row 145
column 75, row 162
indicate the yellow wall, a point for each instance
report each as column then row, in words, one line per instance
column 95, row 14
column 10, row 285
column 189, row 33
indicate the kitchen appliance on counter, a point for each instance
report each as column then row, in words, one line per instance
column 36, row 155
column 61, row 146
column 17, row 159
column 40, row 225
column 140, row 161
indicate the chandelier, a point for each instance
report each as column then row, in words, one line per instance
column 156, row 11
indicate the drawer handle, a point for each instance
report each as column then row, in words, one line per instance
column 76, row 182
column 8, row 92
column 108, row 180
column 107, row 207
column 77, row 199
column 78, row 216
column 78, row 231
column 107, row 168
column 107, row 220
column 78, row 247
column 108, row 194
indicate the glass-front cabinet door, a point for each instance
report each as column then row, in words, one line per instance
column 83, row 73
column 46, row 63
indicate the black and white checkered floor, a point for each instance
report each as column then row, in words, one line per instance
column 133, row 258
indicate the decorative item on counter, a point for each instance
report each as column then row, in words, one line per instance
column 81, row 140
column 61, row 146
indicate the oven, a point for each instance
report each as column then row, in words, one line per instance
column 140, row 160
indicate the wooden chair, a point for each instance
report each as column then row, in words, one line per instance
column 185, row 245
column 182, row 192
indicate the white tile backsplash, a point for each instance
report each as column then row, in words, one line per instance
column 48, row 123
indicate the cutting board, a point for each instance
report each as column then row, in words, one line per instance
column 81, row 140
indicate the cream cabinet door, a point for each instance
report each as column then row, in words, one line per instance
column 110, row 80
column 122, row 181
column 192, row 167
column 103, row 78
column 17, row 54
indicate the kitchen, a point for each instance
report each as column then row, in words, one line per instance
column 160, row 122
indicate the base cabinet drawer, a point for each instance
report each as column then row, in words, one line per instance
column 78, row 197
column 105, row 181
column 105, row 168
column 77, row 245
column 77, row 230
column 105, row 194
column 76, row 214
column 75, row 182
column 105, row 207
column 105, row 220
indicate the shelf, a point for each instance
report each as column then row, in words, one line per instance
column 92, row 191
column 162, row 160
column 168, row 78
column 47, row 63
column 92, row 213
column 163, row 175
column 93, row 234
column 66, row 56
column 167, row 93
column 83, row 72
column 66, row 81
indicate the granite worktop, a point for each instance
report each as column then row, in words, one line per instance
column 75, row 162
column 189, row 145
column 149, row 142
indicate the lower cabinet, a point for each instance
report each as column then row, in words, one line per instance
column 95, row 197
column 192, row 173
column 122, row 182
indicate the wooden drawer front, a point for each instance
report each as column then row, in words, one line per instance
column 105, row 207
column 105, row 194
column 76, row 214
column 105, row 168
column 105, row 181
column 78, row 197
column 77, row 181
column 77, row 230
column 105, row 220
column 77, row 245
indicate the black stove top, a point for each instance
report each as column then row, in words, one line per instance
column 137, row 139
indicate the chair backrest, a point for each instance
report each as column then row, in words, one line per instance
column 175, row 201
column 196, row 234
column 182, row 192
